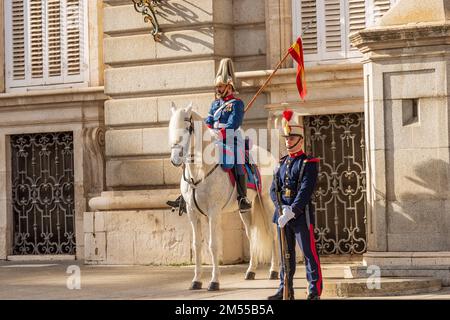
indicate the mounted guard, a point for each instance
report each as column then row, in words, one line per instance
column 225, row 119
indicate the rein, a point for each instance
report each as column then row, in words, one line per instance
column 194, row 184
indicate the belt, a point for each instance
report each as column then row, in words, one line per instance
column 288, row 193
column 218, row 125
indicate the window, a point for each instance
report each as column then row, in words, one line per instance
column 45, row 43
column 327, row 38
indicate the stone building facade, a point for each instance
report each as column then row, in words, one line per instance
column 122, row 182
column 51, row 125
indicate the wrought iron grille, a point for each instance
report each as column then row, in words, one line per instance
column 340, row 196
column 43, row 193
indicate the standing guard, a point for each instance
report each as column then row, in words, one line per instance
column 291, row 191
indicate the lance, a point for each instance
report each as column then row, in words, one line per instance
column 250, row 104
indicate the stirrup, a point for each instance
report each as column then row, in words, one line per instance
column 244, row 205
column 179, row 204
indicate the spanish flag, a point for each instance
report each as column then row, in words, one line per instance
column 296, row 51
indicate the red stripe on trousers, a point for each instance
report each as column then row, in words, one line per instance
column 316, row 257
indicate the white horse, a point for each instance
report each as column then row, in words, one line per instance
column 207, row 190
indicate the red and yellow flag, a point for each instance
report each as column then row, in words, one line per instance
column 296, row 51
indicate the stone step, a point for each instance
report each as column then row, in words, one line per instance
column 134, row 200
column 348, row 259
column 441, row 272
column 387, row 287
column 336, row 271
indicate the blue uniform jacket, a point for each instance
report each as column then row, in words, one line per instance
column 230, row 115
column 288, row 176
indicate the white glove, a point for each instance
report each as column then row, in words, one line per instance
column 288, row 214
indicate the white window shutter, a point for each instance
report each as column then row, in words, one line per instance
column 308, row 13
column 37, row 41
column 356, row 15
column 328, row 39
column 333, row 30
column 54, row 43
column 356, row 22
column 16, row 43
column 377, row 8
column 18, row 30
column 74, row 40
column 45, row 41
column 380, row 8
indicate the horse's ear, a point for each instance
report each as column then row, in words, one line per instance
column 189, row 108
column 173, row 108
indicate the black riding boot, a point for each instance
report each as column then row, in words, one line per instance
column 241, row 183
column 179, row 204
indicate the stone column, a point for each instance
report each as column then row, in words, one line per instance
column 2, row 48
column 406, row 72
column 95, row 13
column 279, row 31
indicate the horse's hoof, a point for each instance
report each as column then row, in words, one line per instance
column 195, row 285
column 273, row 275
column 213, row 286
column 250, row 276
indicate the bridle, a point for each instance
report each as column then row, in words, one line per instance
column 190, row 130
column 190, row 157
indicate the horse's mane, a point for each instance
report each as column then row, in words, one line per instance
column 197, row 117
column 181, row 113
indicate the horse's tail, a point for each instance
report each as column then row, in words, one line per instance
column 261, row 232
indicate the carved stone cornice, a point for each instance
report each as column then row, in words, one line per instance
column 52, row 96
column 394, row 37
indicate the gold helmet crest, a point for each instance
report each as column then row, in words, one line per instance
column 290, row 124
column 225, row 74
